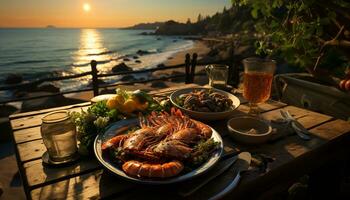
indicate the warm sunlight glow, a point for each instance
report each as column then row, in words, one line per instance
column 86, row 7
column 102, row 13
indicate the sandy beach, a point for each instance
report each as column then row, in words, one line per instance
column 198, row 47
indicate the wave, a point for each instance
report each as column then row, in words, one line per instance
column 102, row 53
column 31, row 62
column 67, row 49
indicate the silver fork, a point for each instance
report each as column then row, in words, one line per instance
column 299, row 129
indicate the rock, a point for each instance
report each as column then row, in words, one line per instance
column 142, row 52
column 126, row 59
column 135, row 57
column 7, row 110
column 158, row 84
column 100, row 82
column 161, row 65
column 47, row 88
column 46, row 102
column 137, row 61
column 144, row 33
column 159, row 38
column 213, row 52
column 19, row 93
column 128, row 78
column 13, row 79
column 169, row 58
column 174, row 40
column 121, row 67
column 179, row 79
column 1, row 191
column 42, row 103
column 224, row 55
column 208, row 59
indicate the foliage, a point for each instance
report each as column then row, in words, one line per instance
column 300, row 32
column 91, row 122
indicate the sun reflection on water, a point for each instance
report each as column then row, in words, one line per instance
column 91, row 48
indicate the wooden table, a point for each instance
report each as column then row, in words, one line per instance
column 87, row 179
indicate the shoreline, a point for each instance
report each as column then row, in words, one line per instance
column 198, row 47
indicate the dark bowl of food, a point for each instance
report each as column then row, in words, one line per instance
column 206, row 104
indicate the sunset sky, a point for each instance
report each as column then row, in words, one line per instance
column 101, row 13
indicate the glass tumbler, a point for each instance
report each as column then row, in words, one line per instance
column 257, row 81
column 218, row 75
column 59, row 136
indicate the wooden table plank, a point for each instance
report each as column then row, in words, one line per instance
column 307, row 118
column 31, row 150
column 331, row 129
column 34, row 120
column 94, row 185
column 267, row 106
column 26, row 135
column 37, row 173
column 37, row 112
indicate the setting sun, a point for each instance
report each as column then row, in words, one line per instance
column 86, row 7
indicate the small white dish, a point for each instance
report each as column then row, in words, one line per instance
column 249, row 130
column 102, row 97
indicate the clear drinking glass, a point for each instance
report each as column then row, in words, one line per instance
column 257, row 81
column 59, row 136
column 218, row 75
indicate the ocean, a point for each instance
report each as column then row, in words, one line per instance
column 43, row 52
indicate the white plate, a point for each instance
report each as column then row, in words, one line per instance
column 120, row 127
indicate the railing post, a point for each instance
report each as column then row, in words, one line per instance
column 187, row 68
column 234, row 72
column 94, row 72
column 193, row 66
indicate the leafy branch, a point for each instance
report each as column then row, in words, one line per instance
column 303, row 33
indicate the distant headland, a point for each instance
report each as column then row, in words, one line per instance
column 50, row 26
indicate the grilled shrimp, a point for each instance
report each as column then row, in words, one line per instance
column 143, row 169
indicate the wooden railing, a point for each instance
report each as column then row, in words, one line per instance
column 189, row 65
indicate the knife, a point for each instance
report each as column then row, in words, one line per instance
column 242, row 164
column 195, row 184
column 300, row 130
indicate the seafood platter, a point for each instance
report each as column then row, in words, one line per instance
column 160, row 148
column 145, row 139
column 206, row 104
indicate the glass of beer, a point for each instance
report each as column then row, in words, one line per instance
column 257, row 81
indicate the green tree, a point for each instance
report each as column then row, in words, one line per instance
column 304, row 33
column 225, row 22
column 199, row 18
